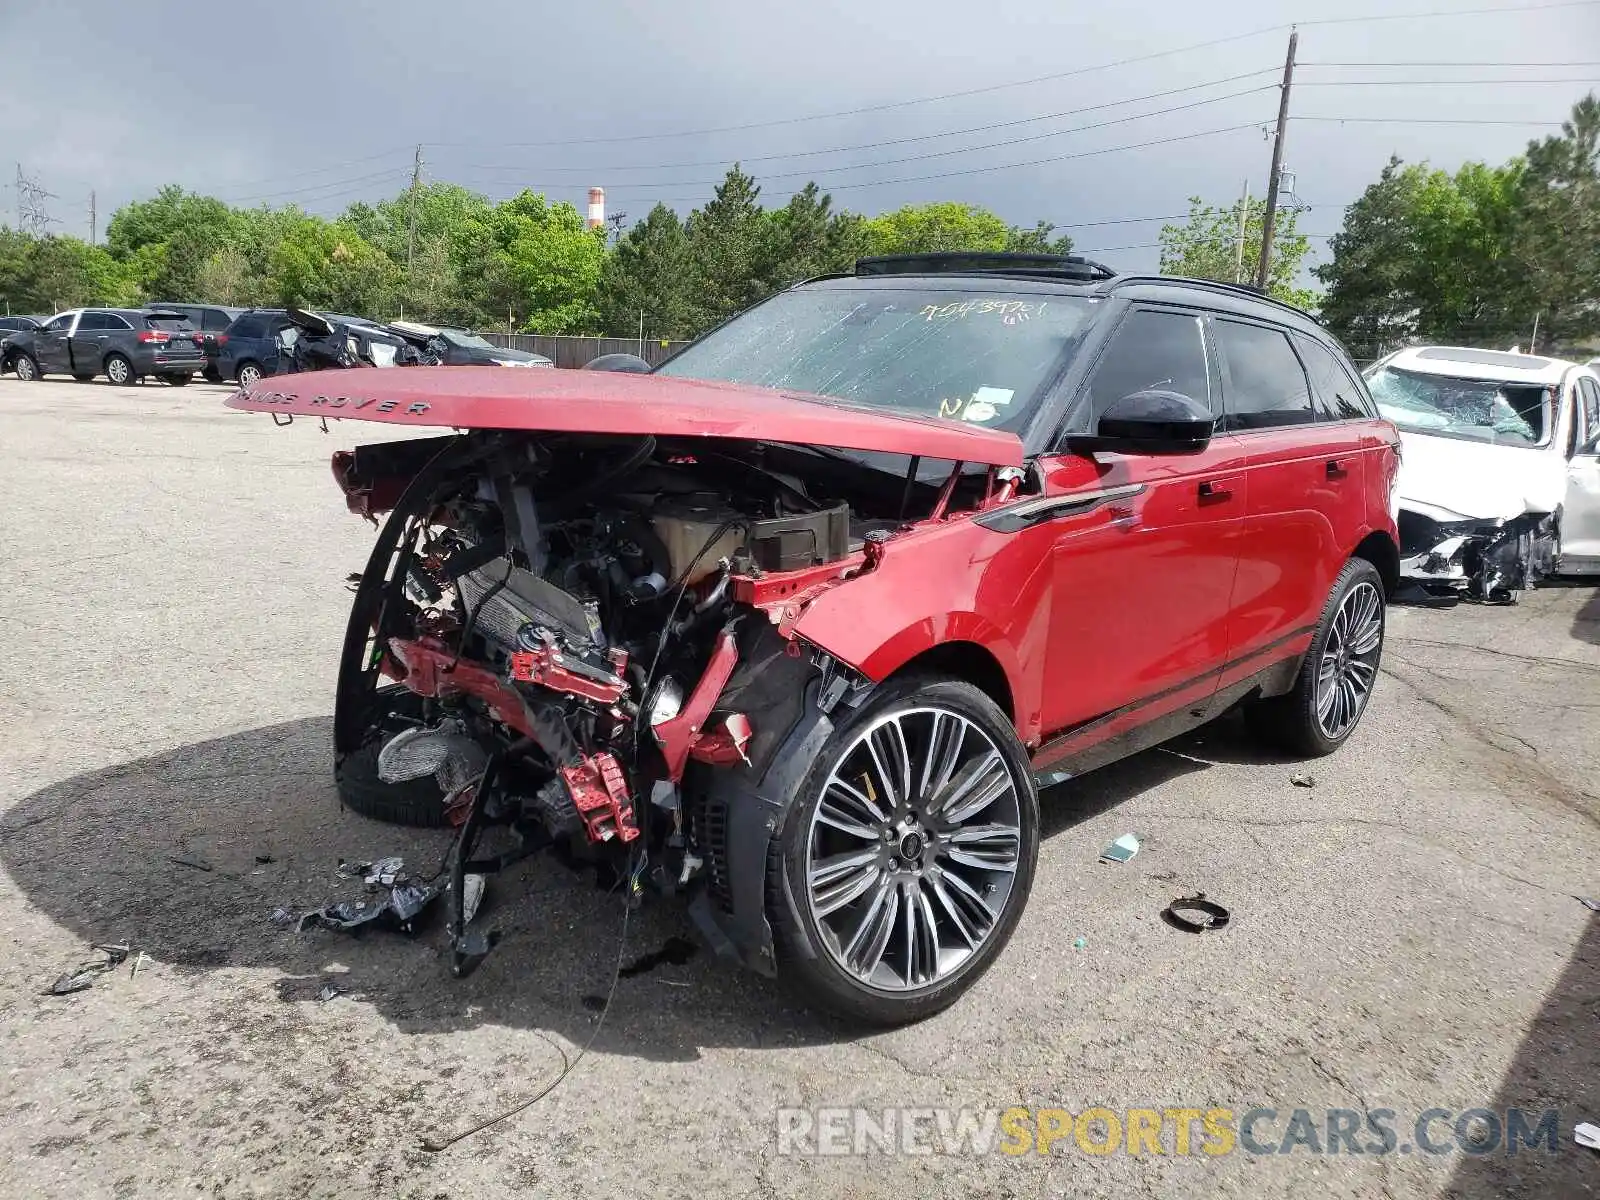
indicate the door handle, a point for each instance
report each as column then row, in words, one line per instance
column 1216, row 489
column 1337, row 468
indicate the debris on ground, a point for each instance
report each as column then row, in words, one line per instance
column 1303, row 780
column 1588, row 902
column 327, row 992
column 1080, row 943
column 1121, row 850
column 1586, row 1134
column 81, row 978
column 265, row 860
column 282, row 918
column 405, row 899
column 1195, row 914
column 196, row 863
column 139, row 960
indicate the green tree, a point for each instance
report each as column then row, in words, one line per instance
column 650, row 274
column 224, row 278
column 929, row 228
column 728, row 239
column 807, row 237
column 1556, row 242
column 1041, row 239
column 543, row 266
column 318, row 264
column 1207, row 246
column 189, row 227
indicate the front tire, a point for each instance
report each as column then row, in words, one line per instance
column 27, row 368
column 904, row 868
column 1335, row 682
column 119, row 370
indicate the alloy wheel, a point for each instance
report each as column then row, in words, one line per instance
column 117, row 371
column 249, row 375
column 913, row 848
column 25, row 370
column 1349, row 662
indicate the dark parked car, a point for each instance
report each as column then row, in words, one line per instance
column 249, row 349
column 11, row 325
column 209, row 320
column 452, row 347
column 325, row 341
column 939, row 533
column 123, row 344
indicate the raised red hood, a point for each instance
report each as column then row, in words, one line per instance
column 613, row 402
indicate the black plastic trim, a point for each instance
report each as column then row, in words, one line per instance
column 1037, row 511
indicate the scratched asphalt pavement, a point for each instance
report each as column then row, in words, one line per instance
column 1404, row 934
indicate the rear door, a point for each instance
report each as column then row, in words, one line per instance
column 1307, row 493
column 1580, row 514
column 1145, row 551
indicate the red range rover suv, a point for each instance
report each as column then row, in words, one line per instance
column 796, row 625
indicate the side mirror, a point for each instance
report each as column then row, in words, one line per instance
column 1152, row 422
column 630, row 363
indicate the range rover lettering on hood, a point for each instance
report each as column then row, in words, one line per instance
column 606, row 402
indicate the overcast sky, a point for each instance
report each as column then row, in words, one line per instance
column 322, row 103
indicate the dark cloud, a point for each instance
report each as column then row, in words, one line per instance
column 321, row 104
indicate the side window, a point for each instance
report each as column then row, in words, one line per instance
column 1267, row 386
column 1152, row 349
column 214, row 320
column 248, row 326
column 1589, row 407
column 91, row 321
column 1332, row 390
column 112, row 321
column 60, row 325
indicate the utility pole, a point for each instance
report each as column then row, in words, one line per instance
column 92, row 216
column 411, row 211
column 1244, row 222
column 1264, row 267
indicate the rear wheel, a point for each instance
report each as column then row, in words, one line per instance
column 118, row 369
column 1335, row 681
column 27, row 368
column 249, row 373
column 904, row 868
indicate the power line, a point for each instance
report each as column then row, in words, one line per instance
column 1429, row 121
column 332, row 183
column 1451, row 64
column 1433, row 82
column 1035, row 137
column 924, row 137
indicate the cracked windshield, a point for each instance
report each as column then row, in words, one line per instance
column 984, row 357
column 1485, row 410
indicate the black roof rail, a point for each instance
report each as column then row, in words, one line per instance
column 984, row 262
column 1213, row 285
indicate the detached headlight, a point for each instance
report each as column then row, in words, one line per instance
column 666, row 701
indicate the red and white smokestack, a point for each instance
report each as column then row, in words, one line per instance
column 597, row 207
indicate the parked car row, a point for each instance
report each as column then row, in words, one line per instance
column 222, row 343
column 123, row 344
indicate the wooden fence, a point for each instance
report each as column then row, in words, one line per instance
column 575, row 351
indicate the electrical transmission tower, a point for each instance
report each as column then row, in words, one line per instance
column 32, row 217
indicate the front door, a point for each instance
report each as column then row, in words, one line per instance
column 1145, row 552
column 1580, row 514
column 89, row 341
column 51, row 344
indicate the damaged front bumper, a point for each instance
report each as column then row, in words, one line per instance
column 1490, row 560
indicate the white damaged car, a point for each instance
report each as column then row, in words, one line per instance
column 1499, row 475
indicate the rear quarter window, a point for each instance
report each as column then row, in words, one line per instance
column 1334, row 389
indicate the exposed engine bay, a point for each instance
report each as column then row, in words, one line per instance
column 582, row 622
